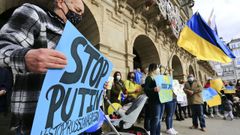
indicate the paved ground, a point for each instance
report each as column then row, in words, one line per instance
column 215, row 126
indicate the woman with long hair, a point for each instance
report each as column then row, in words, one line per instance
column 118, row 87
column 155, row 106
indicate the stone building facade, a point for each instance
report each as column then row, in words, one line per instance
column 135, row 33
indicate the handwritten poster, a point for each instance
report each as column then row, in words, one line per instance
column 165, row 85
column 178, row 91
column 70, row 97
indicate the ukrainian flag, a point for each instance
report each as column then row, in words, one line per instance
column 201, row 41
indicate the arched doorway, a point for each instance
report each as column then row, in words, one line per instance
column 191, row 71
column 89, row 28
column 145, row 52
column 200, row 77
column 177, row 68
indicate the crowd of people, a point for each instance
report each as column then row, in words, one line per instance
column 195, row 108
column 27, row 48
column 131, row 89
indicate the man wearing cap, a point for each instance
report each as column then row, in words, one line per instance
column 193, row 89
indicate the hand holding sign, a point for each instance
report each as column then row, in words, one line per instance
column 39, row 60
column 156, row 89
column 70, row 97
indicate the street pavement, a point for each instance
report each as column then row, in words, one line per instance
column 215, row 126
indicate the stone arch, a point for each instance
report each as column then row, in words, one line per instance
column 145, row 52
column 177, row 68
column 89, row 27
column 191, row 71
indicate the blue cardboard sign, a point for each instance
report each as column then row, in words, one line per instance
column 70, row 97
column 165, row 84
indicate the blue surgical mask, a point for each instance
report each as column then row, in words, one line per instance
column 73, row 17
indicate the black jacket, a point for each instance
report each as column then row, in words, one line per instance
column 153, row 97
column 6, row 82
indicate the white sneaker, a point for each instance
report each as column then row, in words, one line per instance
column 148, row 132
column 219, row 115
column 176, row 132
column 205, row 116
column 212, row 116
column 170, row 132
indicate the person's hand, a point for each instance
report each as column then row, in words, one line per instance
column 137, row 90
column 190, row 92
column 2, row 92
column 39, row 60
column 156, row 89
column 105, row 86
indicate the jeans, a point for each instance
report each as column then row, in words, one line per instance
column 170, row 109
column 156, row 117
column 147, row 117
column 228, row 113
column 197, row 113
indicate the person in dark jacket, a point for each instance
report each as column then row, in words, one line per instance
column 227, row 107
column 238, row 88
column 6, row 82
column 118, row 88
column 155, row 106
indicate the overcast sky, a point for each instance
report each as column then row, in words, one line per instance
column 227, row 14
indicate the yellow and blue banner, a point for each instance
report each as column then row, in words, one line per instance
column 229, row 90
column 201, row 41
column 217, row 84
column 208, row 94
column 216, row 100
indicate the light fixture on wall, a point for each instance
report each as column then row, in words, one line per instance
column 190, row 4
column 149, row 3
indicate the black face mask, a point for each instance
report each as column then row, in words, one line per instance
column 73, row 17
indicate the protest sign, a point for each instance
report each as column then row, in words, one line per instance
column 178, row 91
column 229, row 90
column 165, row 85
column 184, row 102
column 109, row 82
column 70, row 97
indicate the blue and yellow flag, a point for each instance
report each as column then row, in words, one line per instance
column 201, row 41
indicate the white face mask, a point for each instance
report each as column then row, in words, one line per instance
column 191, row 79
column 157, row 71
column 118, row 77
